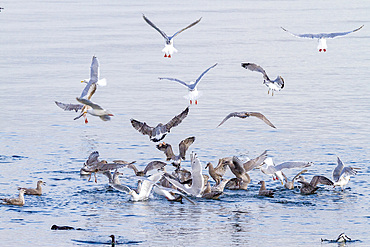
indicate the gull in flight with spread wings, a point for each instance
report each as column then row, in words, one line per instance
column 169, row 49
column 248, row 114
column 87, row 93
column 342, row 175
column 275, row 85
column 161, row 130
column 183, row 147
column 322, row 37
column 193, row 94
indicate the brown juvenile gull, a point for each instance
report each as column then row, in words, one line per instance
column 193, row 93
column 15, row 201
column 247, row 114
column 290, row 184
column 219, row 171
column 103, row 166
column 169, row 49
column 311, row 187
column 322, row 37
column 342, row 175
column 275, row 85
column 161, row 130
column 32, row 191
column 240, row 169
column 263, row 191
column 183, row 147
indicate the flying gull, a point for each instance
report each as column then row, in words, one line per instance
column 183, row 147
column 193, row 94
column 95, row 109
column 168, row 49
column 161, row 130
column 247, row 114
column 322, row 37
column 275, row 85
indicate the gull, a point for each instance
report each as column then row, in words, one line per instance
column 193, row 94
column 183, row 147
column 208, row 193
column 169, row 49
column 290, row 184
column 247, row 114
column 103, row 167
column 263, row 191
column 32, row 191
column 240, row 169
column 15, row 201
column 322, row 37
column 310, row 187
column 95, row 109
column 342, row 175
column 1, row 8
column 197, row 181
column 145, row 188
column 161, row 130
column 276, row 170
column 87, row 92
column 94, row 80
column 91, row 160
column 151, row 166
column 275, row 85
column 219, row 171
column 171, row 194
column 340, row 239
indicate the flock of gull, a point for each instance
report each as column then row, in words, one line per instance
column 181, row 183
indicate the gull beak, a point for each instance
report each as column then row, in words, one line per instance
column 281, row 182
column 110, row 114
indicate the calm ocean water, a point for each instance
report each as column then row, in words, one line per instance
column 322, row 113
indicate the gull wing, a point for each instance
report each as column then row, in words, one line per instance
column 93, row 158
column 296, row 176
column 69, row 107
column 292, row 164
column 262, row 117
column 255, row 67
column 89, row 103
column 174, row 192
column 167, row 149
column 222, row 165
column 233, row 114
column 156, row 28
column 122, row 188
column 307, row 35
column 256, row 162
column 338, row 170
column 142, row 127
column 184, row 145
column 201, row 75
column 94, row 77
column 154, row 165
column 238, row 165
column 334, row 35
column 320, row 180
column 178, row 32
column 174, row 79
column 177, row 119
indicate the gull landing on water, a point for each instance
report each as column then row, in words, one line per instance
column 193, row 94
column 275, row 85
column 169, row 49
column 322, row 37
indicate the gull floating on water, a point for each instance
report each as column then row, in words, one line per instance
column 193, row 94
column 322, row 37
column 342, row 175
column 247, row 114
column 183, row 147
column 273, row 85
column 219, row 171
column 15, row 201
column 311, row 187
column 161, row 130
column 263, row 191
column 169, row 49
column 342, row 238
column 32, row 191
column 276, row 170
